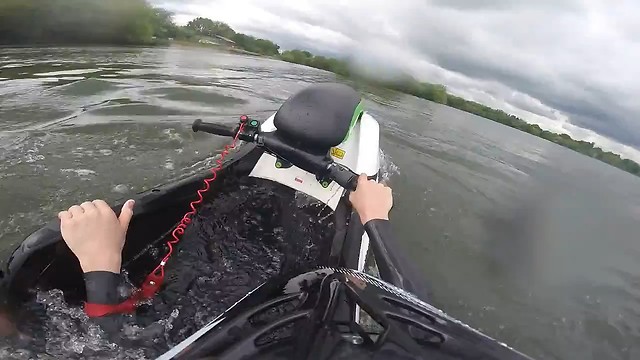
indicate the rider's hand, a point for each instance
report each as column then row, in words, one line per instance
column 371, row 200
column 95, row 235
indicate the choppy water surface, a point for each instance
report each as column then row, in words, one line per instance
column 531, row 243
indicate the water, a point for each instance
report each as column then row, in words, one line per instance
column 252, row 230
column 530, row 242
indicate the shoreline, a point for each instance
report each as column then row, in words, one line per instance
column 588, row 149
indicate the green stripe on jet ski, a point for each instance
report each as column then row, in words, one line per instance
column 354, row 118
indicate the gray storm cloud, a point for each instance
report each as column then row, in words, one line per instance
column 578, row 61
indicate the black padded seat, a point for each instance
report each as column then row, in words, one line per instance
column 319, row 116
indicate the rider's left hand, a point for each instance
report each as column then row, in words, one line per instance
column 95, row 235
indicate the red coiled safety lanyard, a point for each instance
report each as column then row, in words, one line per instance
column 154, row 280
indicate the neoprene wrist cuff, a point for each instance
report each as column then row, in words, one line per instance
column 102, row 287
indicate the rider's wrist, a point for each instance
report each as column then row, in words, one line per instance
column 107, row 262
column 366, row 217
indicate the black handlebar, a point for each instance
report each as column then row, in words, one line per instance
column 321, row 166
column 343, row 176
column 214, row 129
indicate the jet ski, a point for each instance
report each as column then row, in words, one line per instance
column 315, row 144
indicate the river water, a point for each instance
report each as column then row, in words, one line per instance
column 534, row 244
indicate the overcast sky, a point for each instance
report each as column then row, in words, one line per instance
column 571, row 66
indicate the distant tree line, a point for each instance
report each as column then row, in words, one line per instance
column 125, row 22
column 438, row 93
column 303, row 57
column 79, row 22
column 584, row 147
column 207, row 27
column 135, row 22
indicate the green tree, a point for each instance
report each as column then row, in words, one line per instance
column 302, row 57
column 78, row 22
column 439, row 94
column 208, row 27
column 297, row 57
column 266, row 47
column 184, row 33
column 163, row 24
column 222, row 29
column 202, row 26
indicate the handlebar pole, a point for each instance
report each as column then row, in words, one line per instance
column 316, row 164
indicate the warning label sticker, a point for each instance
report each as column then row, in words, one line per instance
column 337, row 153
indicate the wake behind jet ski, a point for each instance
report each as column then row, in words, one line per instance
column 315, row 144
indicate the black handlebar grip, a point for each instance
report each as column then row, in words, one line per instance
column 344, row 177
column 210, row 128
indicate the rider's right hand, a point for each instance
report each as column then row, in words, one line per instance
column 371, row 200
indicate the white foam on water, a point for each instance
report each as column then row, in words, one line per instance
column 79, row 172
column 46, row 79
column 71, row 78
column 68, row 72
column 68, row 331
column 387, row 167
column 31, row 154
column 18, row 354
column 11, row 66
column 120, row 189
column 69, row 334
column 172, row 134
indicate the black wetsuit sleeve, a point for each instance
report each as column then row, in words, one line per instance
column 102, row 288
column 393, row 266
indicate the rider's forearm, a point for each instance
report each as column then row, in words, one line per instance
column 102, row 288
